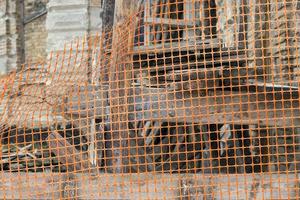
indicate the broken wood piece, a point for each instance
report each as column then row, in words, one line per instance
column 169, row 22
column 146, row 128
column 194, row 74
column 24, row 149
column 21, row 151
column 253, row 140
column 92, row 143
column 99, row 144
column 66, row 153
column 225, row 134
column 154, row 131
column 206, row 165
column 95, row 142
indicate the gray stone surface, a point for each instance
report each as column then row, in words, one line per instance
column 9, row 37
column 67, row 20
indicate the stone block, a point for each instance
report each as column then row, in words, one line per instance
column 13, row 25
column 12, row 7
column 2, row 11
column 12, row 62
column 12, row 50
column 60, row 4
column 3, row 46
column 95, row 20
column 57, row 21
column 2, row 7
column 57, row 40
column 3, row 64
column 96, row 3
column 2, row 26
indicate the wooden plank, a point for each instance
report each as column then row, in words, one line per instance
column 120, row 81
column 193, row 74
column 66, row 153
column 176, row 46
column 31, row 186
column 150, row 186
column 171, row 22
column 239, row 106
column 189, row 79
column 198, row 60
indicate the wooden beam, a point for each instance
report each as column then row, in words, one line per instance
column 120, row 80
column 177, row 46
column 145, row 186
column 193, row 74
column 172, row 22
column 239, row 106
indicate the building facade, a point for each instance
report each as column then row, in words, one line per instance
column 30, row 29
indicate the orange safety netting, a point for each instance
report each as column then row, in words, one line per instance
column 188, row 99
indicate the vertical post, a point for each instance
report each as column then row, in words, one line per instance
column 297, row 149
column 21, row 32
column 119, row 81
column 226, row 12
column 147, row 26
column 251, row 33
column 189, row 16
column 207, row 168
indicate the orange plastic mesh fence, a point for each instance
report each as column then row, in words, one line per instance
column 187, row 99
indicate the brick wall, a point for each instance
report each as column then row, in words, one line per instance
column 35, row 30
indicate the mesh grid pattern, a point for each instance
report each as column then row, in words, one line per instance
column 187, row 99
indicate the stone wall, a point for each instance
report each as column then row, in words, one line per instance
column 68, row 19
column 47, row 26
column 22, row 33
column 71, row 22
column 10, row 36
